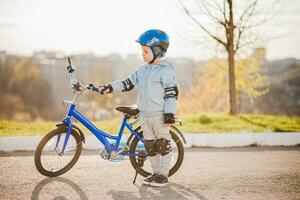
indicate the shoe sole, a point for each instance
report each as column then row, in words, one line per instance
column 146, row 183
column 158, row 184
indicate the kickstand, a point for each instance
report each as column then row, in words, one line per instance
column 140, row 164
column 136, row 173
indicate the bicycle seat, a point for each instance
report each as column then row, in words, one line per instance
column 130, row 110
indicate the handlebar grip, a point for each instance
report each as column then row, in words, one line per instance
column 69, row 60
column 70, row 68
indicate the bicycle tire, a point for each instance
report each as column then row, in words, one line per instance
column 173, row 170
column 43, row 142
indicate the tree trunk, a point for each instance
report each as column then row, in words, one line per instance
column 232, row 92
column 230, row 50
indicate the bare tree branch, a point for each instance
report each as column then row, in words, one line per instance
column 224, row 12
column 238, row 41
column 247, row 21
column 249, row 10
column 209, row 13
column 186, row 11
column 241, row 24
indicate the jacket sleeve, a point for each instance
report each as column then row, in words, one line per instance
column 170, row 89
column 126, row 84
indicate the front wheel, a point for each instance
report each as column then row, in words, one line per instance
column 137, row 146
column 48, row 158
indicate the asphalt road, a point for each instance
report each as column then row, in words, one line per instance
column 207, row 173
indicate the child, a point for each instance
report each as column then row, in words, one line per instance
column 157, row 95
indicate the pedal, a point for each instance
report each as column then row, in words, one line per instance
column 103, row 154
column 113, row 155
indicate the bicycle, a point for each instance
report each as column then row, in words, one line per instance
column 63, row 145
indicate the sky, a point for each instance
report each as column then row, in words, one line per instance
column 104, row 27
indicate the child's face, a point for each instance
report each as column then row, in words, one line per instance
column 147, row 54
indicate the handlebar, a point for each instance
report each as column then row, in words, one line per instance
column 69, row 60
column 77, row 86
column 70, row 68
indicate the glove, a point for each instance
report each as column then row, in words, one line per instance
column 169, row 118
column 103, row 89
column 92, row 87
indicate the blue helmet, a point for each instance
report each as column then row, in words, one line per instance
column 155, row 37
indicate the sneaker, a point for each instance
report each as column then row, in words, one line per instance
column 159, row 181
column 148, row 180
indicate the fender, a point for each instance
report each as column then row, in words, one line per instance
column 138, row 131
column 75, row 127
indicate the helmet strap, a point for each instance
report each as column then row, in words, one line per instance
column 155, row 54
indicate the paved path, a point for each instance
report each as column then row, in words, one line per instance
column 207, row 173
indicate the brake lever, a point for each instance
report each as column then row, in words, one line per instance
column 76, row 86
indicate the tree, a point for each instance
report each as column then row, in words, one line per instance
column 235, row 31
column 210, row 85
column 25, row 93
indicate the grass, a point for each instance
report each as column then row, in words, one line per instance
column 196, row 123
column 13, row 128
column 213, row 123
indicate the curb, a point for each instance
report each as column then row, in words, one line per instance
column 20, row 143
column 242, row 139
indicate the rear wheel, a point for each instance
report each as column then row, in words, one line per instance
column 47, row 157
column 137, row 146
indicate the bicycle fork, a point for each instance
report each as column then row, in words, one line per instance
column 69, row 124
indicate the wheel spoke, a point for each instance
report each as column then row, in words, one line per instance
column 176, row 160
column 49, row 158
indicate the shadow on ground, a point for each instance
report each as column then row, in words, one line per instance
column 36, row 193
column 171, row 191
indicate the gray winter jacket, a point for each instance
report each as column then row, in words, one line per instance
column 157, row 88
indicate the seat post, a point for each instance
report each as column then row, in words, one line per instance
column 127, row 116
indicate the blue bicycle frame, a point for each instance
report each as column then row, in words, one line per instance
column 101, row 135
